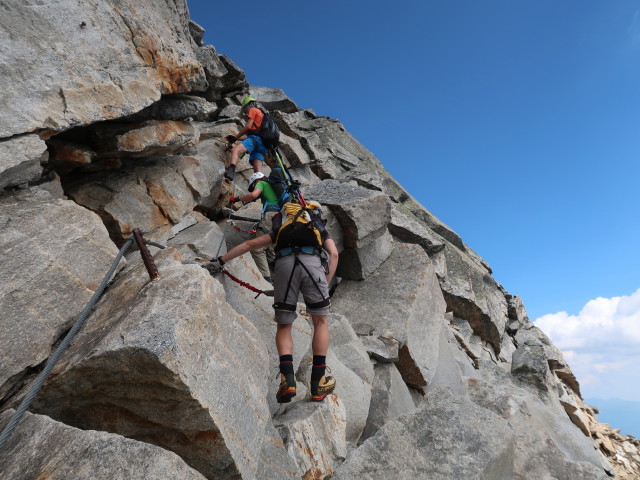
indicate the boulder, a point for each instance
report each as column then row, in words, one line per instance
column 547, row 444
column 531, row 335
column 223, row 76
column 333, row 150
column 145, row 139
column 293, row 152
column 361, row 212
column 75, row 66
column 314, row 436
column 363, row 215
column 408, row 229
column 390, row 398
column 203, row 240
column 383, row 348
column 43, row 448
column 176, row 107
column 348, row 347
column 359, row 263
column 150, row 195
column 20, row 160
column 473, row 295
column 273, row 99
column 160, row 361
column 517, row 314
column 234, row 81
column 354, row 392
column 371, row 180
column 468, row 341
column 197, row 32
column 54, row 255
column 448, row 437
column 401, row 298
column 529, row 364
column 453, row 364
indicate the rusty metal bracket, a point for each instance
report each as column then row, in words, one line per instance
column 147, row 259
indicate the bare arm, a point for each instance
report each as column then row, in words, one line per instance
column 242, row 134
column 249, row 245
column 330, row 246
column 251, row 196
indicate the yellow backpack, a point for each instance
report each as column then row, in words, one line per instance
column 301, row 226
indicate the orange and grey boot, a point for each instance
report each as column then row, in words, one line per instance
column 287, row 388
column 321, row 385
column 322, row 388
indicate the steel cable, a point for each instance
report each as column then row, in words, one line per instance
column 55, row 357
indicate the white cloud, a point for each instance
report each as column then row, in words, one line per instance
column 602, row 345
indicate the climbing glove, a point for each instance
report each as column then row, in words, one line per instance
column 215, row 265
column 235, row 203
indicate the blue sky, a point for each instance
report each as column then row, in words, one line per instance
column 516, row 122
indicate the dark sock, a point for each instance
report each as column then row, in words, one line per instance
column 319, row 366
column 286, row 364
column 232, row 167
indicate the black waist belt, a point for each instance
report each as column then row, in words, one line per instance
column 283, row 252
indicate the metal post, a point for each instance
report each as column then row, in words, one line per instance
column 152, row 270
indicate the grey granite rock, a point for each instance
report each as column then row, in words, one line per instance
column 43, row 448
column 473, row 295
column 176, row 107
column 20, row 160
column 547, row 444
column 84, row 65
column 160, row 361
column 351, row 389
column 273, row 99
column 401, row 298
column 449, row 437
column 390, row 398
column 54, row 255
column 314, row 436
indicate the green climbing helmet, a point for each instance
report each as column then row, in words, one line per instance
column 247, row 101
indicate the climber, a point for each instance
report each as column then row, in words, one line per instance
column 249, row 139
column 259, row 187
column 298, row 268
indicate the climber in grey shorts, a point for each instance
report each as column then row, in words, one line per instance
column 298, row 269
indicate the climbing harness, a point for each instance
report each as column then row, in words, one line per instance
column 284, row 252
column 55, row 356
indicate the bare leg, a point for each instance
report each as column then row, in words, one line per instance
column 257, row 165
column 320, row 342
column 236, row 151
column 284, row 340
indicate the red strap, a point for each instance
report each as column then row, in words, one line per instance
column 244, row 284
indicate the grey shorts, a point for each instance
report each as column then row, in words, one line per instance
column 316, row 295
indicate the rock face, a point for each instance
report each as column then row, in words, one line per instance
column 53, row 255
column 20, row 160
column 403, row 300
column 149, row 360
column 447, row 438
column 85, row 454
column 110, row 123
column 128, row 61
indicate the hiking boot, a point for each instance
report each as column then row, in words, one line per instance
column 287, row 388
column 324, row 387
column 229, row 173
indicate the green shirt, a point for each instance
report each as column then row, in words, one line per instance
column 268, row 195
